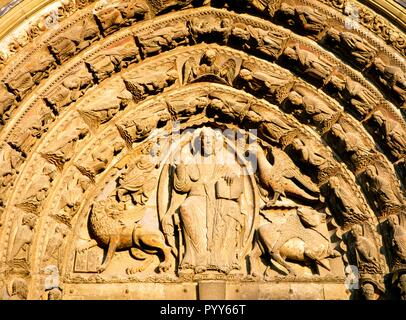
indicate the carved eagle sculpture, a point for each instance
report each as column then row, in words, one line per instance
column 283, row 177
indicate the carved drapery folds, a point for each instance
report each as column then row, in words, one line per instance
column 159, row 142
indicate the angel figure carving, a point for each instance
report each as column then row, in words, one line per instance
column 211, row 67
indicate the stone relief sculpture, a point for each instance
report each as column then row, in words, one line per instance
column 151, row 81
column 284, row 178
column 62, row 151
column 211, row 68
column 71, row 89
column 306, row 19
column 300, row 238
column 113, row 58
column 23, row 238
column 361, row 51
column 80, row 36
column 309, row 64
column 113, row 234
column 86, row 150
column 166, row 38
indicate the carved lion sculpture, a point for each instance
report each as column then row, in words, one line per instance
column 298, row 239
column 110, row 233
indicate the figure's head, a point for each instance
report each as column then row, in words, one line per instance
column 209, row 56
column 368, row 290
column 356, row 230
column 290, row 53
column 379, row 64
column 29, row 219
column 402, row 286
column 19, row 288
column 393, row 220
column 226, row 23
column 245, row 74
column 295, row 98
column 287, row 9
column 206, row 142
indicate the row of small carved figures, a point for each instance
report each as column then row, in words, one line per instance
column 221, row 30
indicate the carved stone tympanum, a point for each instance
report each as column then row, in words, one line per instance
column 202, row 149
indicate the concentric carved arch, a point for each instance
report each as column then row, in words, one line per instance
column 75, row 120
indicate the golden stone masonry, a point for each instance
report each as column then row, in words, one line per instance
column 202, row 149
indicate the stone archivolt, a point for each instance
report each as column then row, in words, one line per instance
column 82, row 113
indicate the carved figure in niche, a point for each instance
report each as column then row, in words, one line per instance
column 228, row 107
column 309, row 64
column 392, row 132
column 55, row 242
column 37, row 190
column 31, row 73
column 31, row 129
column 210, row 29
column 271, row 126
column 185, row 107
column 111, row 233
column 136, row 181
column 380, row 184
column 113, row 59
column 303, row 237
column 7, row 101
column 283, row 177
column 102, row 108
column 366, row 251
column 100, row 159
column 163, row 39
column 262, row 82
column 312, row 106
column 64, row 147
column 347, row 207
column 78, row 37
column 20, row 84
column 71, row 196
column 268, row 42
column 138, row 129
column 151, row 81
column 361, row 51
column 360, row 98
column 212, row 215
column 121, row 13
column 398, row 228
column 71, row 89
column 350, row 143
column 10, row 160
column 393, row 78
column 23, row 237
column 310, row 154
column 305, row 18
column 19, row 289
column 211, row 67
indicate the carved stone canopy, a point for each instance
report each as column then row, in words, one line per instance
column 151, row 148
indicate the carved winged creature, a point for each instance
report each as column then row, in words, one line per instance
column 284, row 177
column 209, row 67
